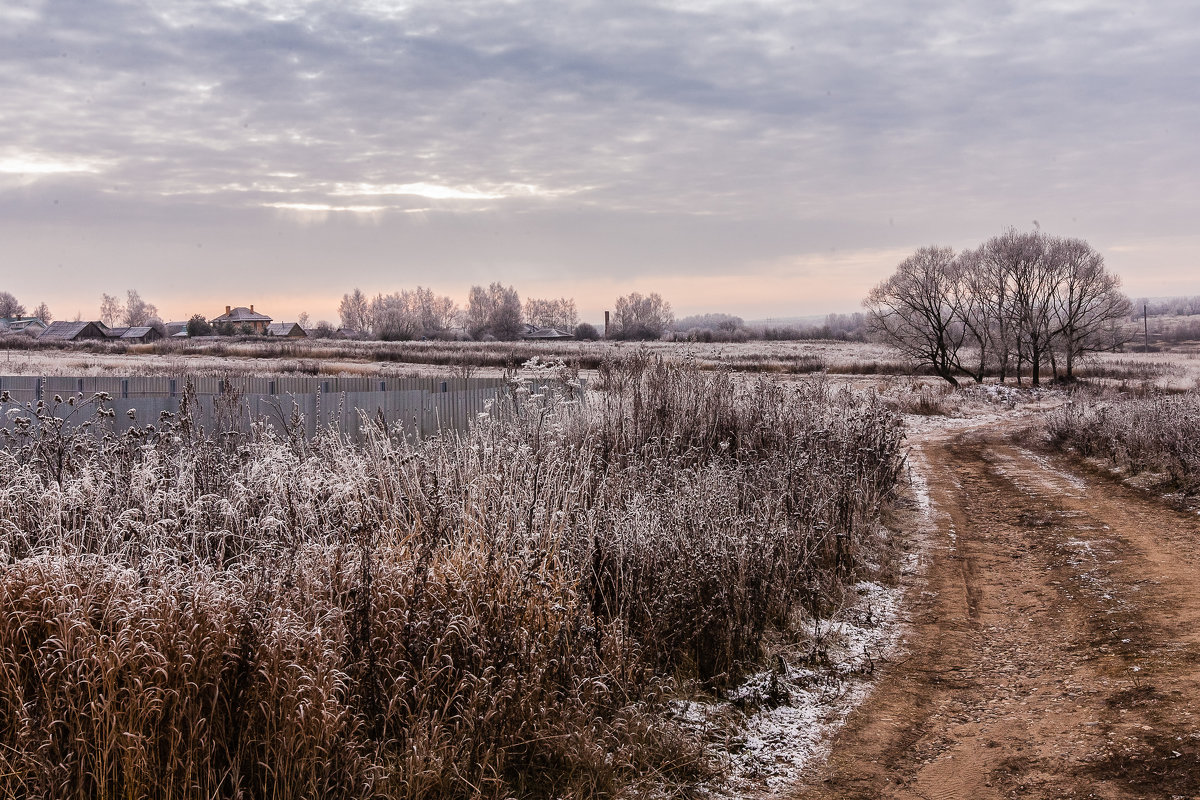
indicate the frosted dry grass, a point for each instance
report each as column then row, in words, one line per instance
column 189, row 613
column 1174, row 370
column 1155, row 434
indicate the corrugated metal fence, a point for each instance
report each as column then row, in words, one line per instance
column 423, row 406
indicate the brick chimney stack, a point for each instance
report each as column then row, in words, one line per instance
column 227, row 311
column 252, row 307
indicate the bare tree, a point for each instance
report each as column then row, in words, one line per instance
column 302, row 320
column 393, row 317
column 355, row 311
column 983, row 306
column 917, row 311
column 111, row 310
column 9, row 307
column 638, row 317
column 436, row 313
column 1088, row 304
column 42, row 312
column 138, row 311
column 494, row 311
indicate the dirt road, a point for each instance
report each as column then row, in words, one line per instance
column 1055, row 652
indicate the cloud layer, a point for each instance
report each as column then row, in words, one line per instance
column 286, row 148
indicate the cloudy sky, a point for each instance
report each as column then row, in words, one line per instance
column 761, row 158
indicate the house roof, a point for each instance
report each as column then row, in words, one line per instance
column 534, row 332
column 137, row 332
column 242, row 314
column 68, row 331
column 20, row 323
column 115, row 333
column 283, row 329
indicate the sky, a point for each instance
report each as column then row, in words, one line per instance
column 761, row 158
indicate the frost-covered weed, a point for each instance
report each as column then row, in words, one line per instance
column 189, row 613
column 1158, row 433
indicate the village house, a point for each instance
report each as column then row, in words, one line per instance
column 63, row 331
column 31, row 326
column 242, row 318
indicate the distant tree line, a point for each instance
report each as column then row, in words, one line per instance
column 493, row 312
column 718, row 327
column 1021, row 300
column 1167, row 307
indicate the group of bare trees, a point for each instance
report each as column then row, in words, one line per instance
column 132, row 313
column 641, row 317
column 407, row 314
column 492, row 312
column 559, row 314
column 11, row 308
column 1020, row 301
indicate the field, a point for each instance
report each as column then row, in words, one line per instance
column 496, row 613
column 329, row 357
column 688, row 581
column 1174, row 366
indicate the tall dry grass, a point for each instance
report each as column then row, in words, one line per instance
column 1156, row 433
column 190, row 613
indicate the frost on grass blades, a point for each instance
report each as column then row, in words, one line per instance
column 781, row 718
column 1158, row 434
column 513, row 611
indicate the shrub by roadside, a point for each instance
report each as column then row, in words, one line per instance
column 1156, row 433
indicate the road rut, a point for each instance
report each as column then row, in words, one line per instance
column 1055, row 651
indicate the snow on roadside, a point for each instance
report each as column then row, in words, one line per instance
column 784, row 719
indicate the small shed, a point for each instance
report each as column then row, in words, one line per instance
column 62, row 331
column 141, row 333
column 291, row 329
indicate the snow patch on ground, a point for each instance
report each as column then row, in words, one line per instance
column 784, row 718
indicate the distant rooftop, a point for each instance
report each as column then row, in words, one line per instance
column 64, row 331
column 241, row 314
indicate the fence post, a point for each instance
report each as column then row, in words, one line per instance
column 38, row 387
column 171, row 386
column 445, row 387
column 124, row 388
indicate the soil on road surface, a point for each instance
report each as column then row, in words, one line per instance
column 1054, row 653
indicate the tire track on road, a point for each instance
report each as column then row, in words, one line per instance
column 1055, row 651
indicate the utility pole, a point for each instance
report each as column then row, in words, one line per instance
column 1146, row 326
